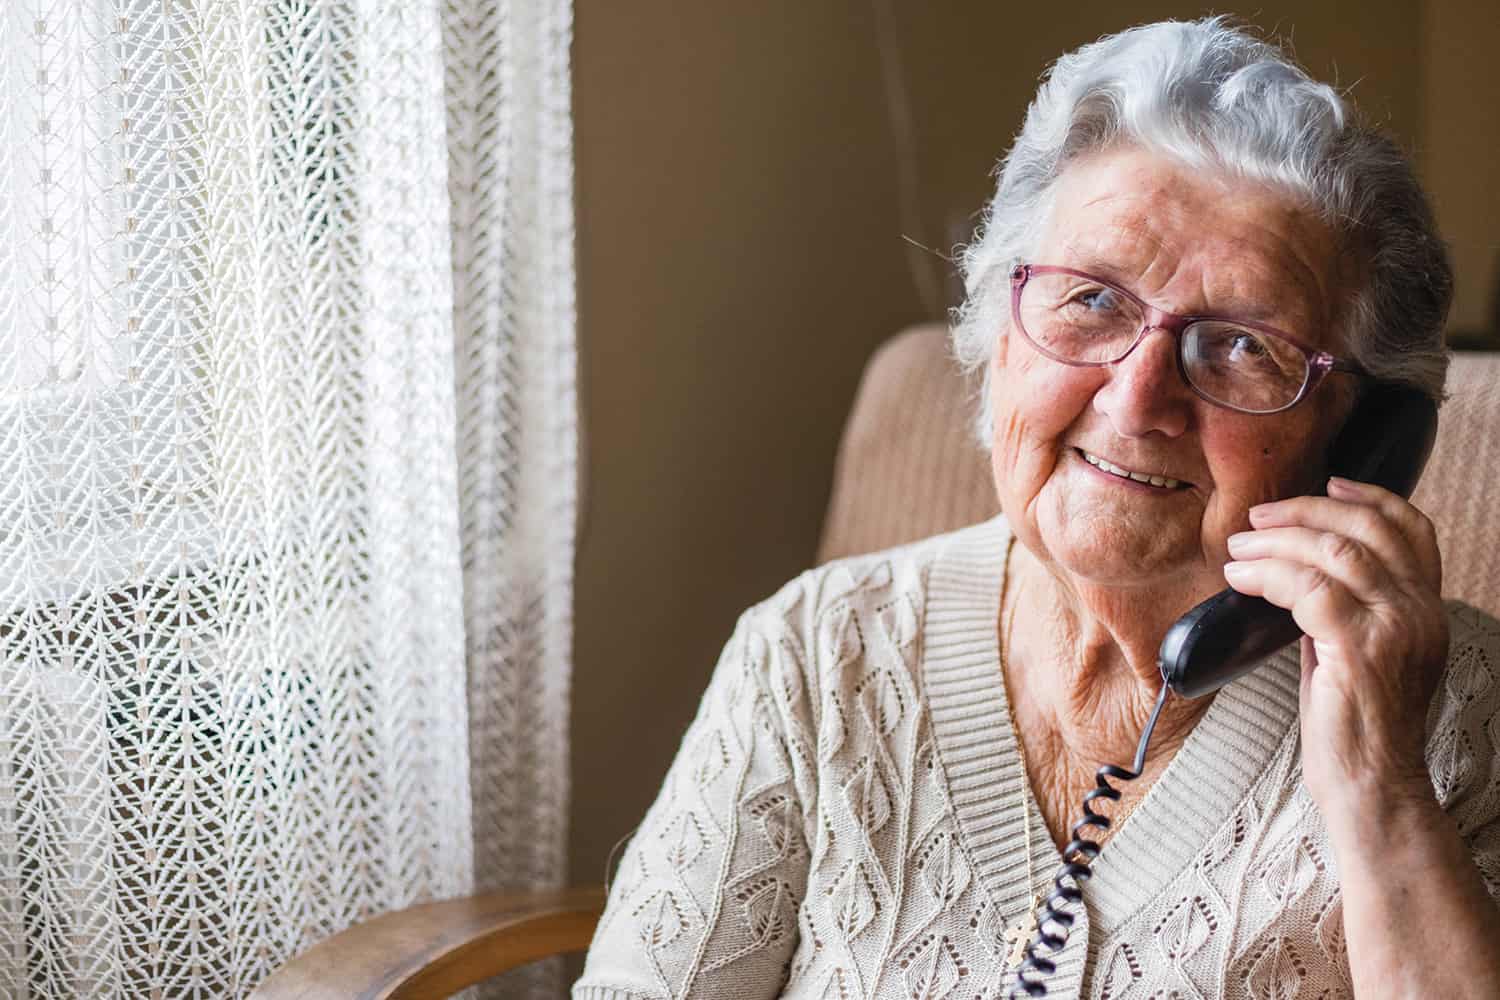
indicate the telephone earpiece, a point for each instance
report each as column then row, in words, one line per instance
column 1386, row 441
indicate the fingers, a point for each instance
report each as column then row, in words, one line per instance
column 1320, row 604
column 1339, row 557
column 1416, row 527
column 1390, row 528
column 1336, row 560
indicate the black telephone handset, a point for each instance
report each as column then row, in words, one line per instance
column 1385, row 441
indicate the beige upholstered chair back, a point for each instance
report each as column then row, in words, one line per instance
column 907, row 467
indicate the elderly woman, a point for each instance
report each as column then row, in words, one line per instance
column 1194, row 267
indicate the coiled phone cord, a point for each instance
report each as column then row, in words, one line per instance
column 1055, row 920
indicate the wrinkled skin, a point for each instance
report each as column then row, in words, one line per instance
column 1105, row 565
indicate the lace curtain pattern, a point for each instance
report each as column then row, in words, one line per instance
column 287, row 475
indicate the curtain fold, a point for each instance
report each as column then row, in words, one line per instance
column 511, row 191
column 287, row 476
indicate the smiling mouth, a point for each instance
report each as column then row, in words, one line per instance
column 1161, row 482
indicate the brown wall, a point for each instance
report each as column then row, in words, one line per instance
column 740, row 256
column 1460, row 145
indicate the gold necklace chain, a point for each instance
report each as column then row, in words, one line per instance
column 1019, row 933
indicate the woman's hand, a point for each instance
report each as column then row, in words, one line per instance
column 1360, row 571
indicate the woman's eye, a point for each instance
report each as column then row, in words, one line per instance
column 1247, row 347
column 1098, row 299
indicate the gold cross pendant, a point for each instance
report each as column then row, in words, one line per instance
column 1019, row 935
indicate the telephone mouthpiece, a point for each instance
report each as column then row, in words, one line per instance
column 1226, row 636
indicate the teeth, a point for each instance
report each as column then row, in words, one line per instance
column 1139, row 477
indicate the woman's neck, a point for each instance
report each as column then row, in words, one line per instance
column 1081, row 667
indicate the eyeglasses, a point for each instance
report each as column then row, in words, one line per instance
column 1079, row 319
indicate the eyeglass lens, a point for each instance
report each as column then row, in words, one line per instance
column 1085, row 322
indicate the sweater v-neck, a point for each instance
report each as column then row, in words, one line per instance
column 1231, row 746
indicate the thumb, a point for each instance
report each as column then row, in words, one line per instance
column 1309, row 662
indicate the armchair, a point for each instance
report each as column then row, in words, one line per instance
column 906, row 469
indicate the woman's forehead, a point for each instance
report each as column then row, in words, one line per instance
column 1144, row 221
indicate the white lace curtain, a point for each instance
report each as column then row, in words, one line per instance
column 287, row 475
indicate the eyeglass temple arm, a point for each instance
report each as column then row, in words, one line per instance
column 1328, row 363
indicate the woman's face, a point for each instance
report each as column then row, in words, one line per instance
column 1189, row 244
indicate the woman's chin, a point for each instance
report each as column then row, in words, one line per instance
column 1115, row 552
column 1111, row 535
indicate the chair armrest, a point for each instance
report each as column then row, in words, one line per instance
column 437, row 949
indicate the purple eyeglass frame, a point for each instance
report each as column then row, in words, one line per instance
column 1319, row 363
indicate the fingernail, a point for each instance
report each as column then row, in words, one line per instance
column 1235, row 570
column 1238, row 541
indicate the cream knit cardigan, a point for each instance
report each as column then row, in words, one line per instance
column 843, row 819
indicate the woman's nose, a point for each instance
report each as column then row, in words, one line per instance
column 1145, row 393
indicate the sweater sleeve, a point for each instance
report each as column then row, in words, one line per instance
column 1463, row 750
column 705, row 901
column 1485, row 847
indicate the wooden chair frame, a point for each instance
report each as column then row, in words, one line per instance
column 436, row 949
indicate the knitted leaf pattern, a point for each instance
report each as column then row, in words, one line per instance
column 820, row 837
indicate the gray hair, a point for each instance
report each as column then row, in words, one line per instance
column 1208, row 95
